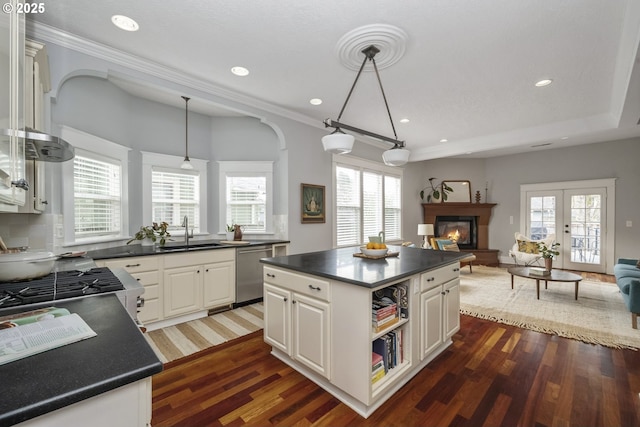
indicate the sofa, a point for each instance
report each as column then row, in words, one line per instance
column 627, row 275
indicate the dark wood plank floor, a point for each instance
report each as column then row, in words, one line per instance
column 492, row 375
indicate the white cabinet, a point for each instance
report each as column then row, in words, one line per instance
column 129, row 405
column 148, row 271
column 219, row 284
column 12, row 158
column 297, row 317
column 439, row 307
column 182, row 290
column 198, row 280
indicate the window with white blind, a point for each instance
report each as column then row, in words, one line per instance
column 170, row 193
column 95, row 197
column 368, row 200
column 248, row 200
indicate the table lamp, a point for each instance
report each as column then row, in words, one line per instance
column 425, row 230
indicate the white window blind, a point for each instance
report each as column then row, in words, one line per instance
column 392, row 208
column 348, row 206
column 367, row 202
column 97, row 197
column 175, row 194
column 247, row 202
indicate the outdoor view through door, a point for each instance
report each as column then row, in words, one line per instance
column 577, row 218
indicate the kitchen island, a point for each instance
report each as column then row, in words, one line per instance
column 319, row 317
column 101, row 381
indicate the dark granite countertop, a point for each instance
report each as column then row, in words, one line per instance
column 340, row 264
column 44, row 382
column 172, row 247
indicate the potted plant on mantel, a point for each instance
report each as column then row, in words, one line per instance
column 548, row 253
column 149, row 234
column 437, row 191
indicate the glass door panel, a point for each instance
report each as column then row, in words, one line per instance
column 583, row 229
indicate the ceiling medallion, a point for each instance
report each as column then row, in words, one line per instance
column 389, row 39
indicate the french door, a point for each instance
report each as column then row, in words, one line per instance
column 578, row 217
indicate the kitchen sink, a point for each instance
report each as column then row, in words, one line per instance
column 183, row 247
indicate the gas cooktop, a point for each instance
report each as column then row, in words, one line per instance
column 59, row 285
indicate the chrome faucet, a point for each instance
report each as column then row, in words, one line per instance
column 185, row 224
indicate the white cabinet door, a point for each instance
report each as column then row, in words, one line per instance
column 219, row 284
column 451, row 308
column 182, row 290
column 277, row 318
column 311, row 333
column 431, row 308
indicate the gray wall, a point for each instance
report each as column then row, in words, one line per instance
column 82, row 97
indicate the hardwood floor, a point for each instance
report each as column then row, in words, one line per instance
column 492, row 375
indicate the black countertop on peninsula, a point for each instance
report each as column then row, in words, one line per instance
column 340, row 264
column 172, row 248
column 118, row 355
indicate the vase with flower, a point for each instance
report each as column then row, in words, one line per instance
column 149, row 235
column 548, row 253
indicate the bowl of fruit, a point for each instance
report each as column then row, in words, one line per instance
column 374, row 249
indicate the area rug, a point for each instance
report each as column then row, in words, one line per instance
column 599, row 316
column 178, row 341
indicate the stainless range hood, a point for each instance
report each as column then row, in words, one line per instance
column 43, row 147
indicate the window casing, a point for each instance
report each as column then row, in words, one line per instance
column 170, row 193
column 368, row 199
column 248, row 196
column 97, row 178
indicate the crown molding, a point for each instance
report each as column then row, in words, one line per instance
column 46, row 33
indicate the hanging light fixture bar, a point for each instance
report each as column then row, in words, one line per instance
column 186, row 163
column 341, row 143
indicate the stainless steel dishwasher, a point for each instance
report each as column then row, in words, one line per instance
column 249, row 272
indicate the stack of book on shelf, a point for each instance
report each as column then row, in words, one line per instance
column 395, row 293
column 384, row 313
column 377, row 367
column 539, row 271
column 390, row 347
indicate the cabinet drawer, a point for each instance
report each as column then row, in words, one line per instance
column 135, row 264
column 147, row 278
column 151, row 292
column 439, row 276
column 199, row 257
column 151, row 311
column 300, row 283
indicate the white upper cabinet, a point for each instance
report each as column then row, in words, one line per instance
column 13, row 184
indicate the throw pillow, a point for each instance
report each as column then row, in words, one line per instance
column 452, row 247
column 442, row 242
column 527, row 247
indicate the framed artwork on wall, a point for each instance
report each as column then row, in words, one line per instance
column 312, row 198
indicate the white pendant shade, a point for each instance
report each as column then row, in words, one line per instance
column 338, row 143
column 186, row 164
column 396, row 156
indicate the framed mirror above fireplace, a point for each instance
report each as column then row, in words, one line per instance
column 461, row 191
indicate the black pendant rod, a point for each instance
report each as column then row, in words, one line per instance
column 186, row 127
column 370, row 53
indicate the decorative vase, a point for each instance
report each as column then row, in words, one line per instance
column 147, row 242
column 548, row 263
column 237, row 232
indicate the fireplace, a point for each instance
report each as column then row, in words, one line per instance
column 460, row 229
column 481, row 212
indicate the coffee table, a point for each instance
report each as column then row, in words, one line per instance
column 554, row 276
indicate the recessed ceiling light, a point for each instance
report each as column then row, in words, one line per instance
column 124, row 23
column 565, row 137
column 444, row 140
column 315, row 101
column 240, row 71
column 405, row 120
column 545, row 82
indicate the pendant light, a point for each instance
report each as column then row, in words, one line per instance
column 186, row 163
column 340, row 143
